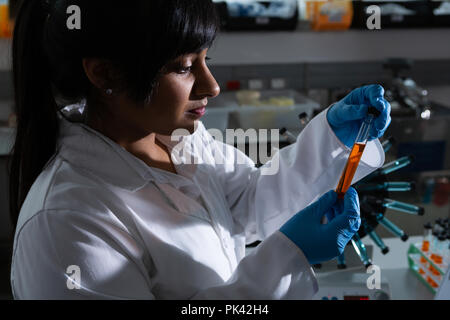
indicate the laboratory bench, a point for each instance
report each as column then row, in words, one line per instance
column 404, row 284
column 397, row 279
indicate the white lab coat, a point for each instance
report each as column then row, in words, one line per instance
column 136, row 232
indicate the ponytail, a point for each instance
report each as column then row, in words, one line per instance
column 37, row 121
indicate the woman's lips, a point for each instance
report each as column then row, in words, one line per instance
column 199, row 112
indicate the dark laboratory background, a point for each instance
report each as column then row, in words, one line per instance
column 279, row 63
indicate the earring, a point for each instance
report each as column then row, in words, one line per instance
column 109, row 92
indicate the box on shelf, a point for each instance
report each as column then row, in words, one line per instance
column 329, row 15
column 394, row 14
column 258, row 15
column 267, row 109
column 441, row 13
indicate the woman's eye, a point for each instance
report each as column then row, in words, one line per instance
column 184, row 70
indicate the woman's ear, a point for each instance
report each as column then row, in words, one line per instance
column 99, row 73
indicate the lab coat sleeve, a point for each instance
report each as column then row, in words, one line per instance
column 276, row 269
column 262, row 200
column 68, row 255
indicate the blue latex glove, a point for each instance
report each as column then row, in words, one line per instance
column 346, row 116
column 323, row 242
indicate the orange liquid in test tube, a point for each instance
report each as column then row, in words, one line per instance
column 425, row 246
column 438, row 259
column 423, row 260
column 350, row 168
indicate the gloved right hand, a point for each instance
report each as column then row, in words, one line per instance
column 323, row 242
column 346, row 116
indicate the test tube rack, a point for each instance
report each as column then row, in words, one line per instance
column 425, row 268
column 374, row 201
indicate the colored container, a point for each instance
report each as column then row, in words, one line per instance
column 329, row 15
column 5, row 21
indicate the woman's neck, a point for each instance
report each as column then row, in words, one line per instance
column 145, row 147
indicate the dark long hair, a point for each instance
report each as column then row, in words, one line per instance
column 139, row 37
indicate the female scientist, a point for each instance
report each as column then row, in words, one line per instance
column 109, row 210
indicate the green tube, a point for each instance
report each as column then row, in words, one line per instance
column 360, row 249
column 399, row 186
column 396, row 165
column 403, row 207
column 376, row 238
column 390, row 167
column 387, row 145
column 392, row 227
column 387, row 186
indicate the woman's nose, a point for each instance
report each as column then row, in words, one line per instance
column 206, row 85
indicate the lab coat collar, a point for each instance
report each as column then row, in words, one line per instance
column 90, row 150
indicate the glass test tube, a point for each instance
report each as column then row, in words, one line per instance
column 403, row 207
column 440, row 250
column 392, row 227
column 396, row 165
column 356, row 153
column 433, row 243
column 360, row 249
column 391, row 167
column 426, row 237
column 447, row 254
column 376, row 238
column 388, row 144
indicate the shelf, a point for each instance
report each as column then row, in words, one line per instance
column 277, row 47
column 245, row 48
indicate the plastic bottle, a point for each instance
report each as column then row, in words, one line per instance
column 5, row 22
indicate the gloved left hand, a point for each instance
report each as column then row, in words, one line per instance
column 346, row 116
column 323, row 242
